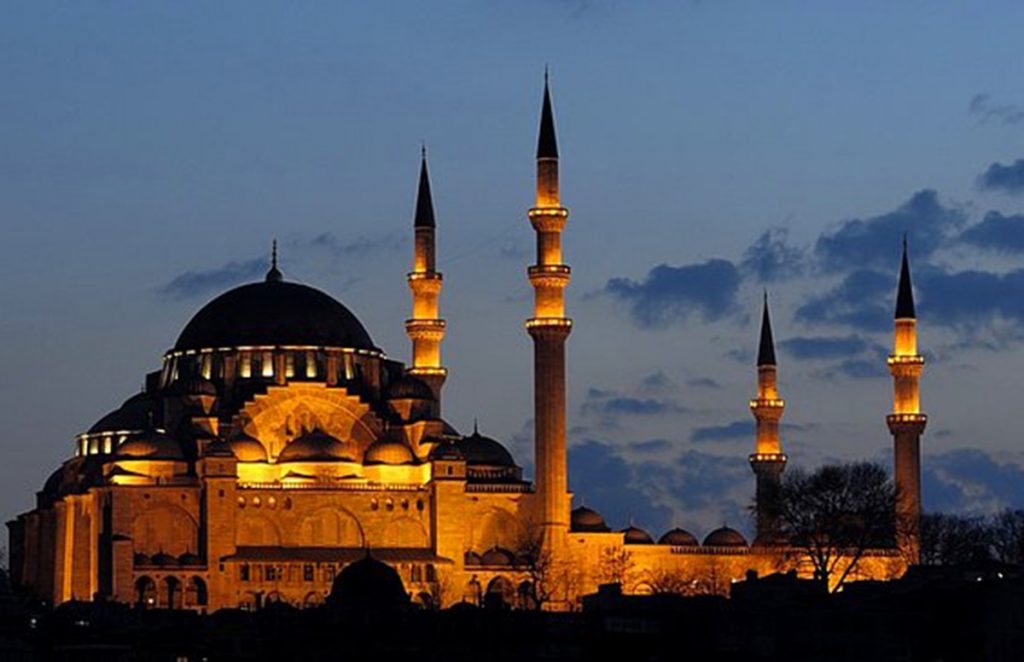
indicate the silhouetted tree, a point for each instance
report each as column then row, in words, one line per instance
column 1007, row 536
column 952, row 539
column 835, row 514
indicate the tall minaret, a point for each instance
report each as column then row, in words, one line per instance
column 906, row 422
column 768, row 461
column 549, row 328
column 426, row 329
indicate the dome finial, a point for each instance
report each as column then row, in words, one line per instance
column 274, row 275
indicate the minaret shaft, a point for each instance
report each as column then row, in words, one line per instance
column 906, row 422
column 425, row 328
column 549, row 329
column 768, row 461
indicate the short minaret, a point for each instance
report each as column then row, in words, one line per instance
column 425, row 329
column 906, row 422
column 768, row 461
column 549, row 328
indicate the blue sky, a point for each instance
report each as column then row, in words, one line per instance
column 149, row 151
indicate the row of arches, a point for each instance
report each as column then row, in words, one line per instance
column 330, row 527
column 171, row 593
column 500, row 593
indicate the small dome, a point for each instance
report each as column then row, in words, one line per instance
column 218, row 448
column 368, row 583
column 150, row 445
column 408, row 387
column 678, row 538
column 388, row 451
column 588, row 520
column 247, row 448
column 481, row 450
column 471, row 558
column 317, row 446
column 497, row 556
column 635, row 536
column 725, row 537
column 446, row 450
column 164, row 559
column 141, row 559
column 188, row 558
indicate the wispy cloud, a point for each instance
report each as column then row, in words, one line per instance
column 1005, row 178
column 191, row 284
column 986, row 110
column 771, row 258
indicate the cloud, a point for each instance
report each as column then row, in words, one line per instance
column 997, row 233
column 196, row 283
column 605, row 481
column 771, row 258
column 611, row 404
column 875, row 242
column 657, row 382
column 987, row 111
column 970, row 481
column 705, row 490
column 670, row 295
column 856, row 369
column 733, row 431
column 650, row 445
column 812, row 348
column 703, row 382
column 863, row 301
column 1005, row 178
column 972, row 299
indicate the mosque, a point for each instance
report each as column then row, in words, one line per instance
column 278, row 445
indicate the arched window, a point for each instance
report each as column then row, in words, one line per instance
column 195, row 593
column 172, row 593
column 145, row 592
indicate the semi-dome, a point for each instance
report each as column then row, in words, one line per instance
column 446, row 450
column 725, row 537
column 388, row 451
column 151, row 445
column 481, row 450
column 273, row 312
column 408, row 387
column 317, row 446
column 632, row 535
column 678, row 538
column 132, row 415
column 587, row 520
column 247, row 448
column 368, row 583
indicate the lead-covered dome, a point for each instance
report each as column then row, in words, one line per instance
column 678, row 538
column 480, row 450
column 317, row 446
column 633, row 535
column 150, row 445
column 725, row 537
column 388, row 451
column 587, row 520
column 274, row 312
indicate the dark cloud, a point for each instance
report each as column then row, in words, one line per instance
column 970, row 300
column 608, row 404
column 1002, row 113
column 771, row 258
column 197, row 283
column 743, row 355
column 672, row 294
column 863, row 300
column 703, row 382
column 743, row 429
column 821, row 347
column 1005, row 178
column 875, row 242
column 605, row 481
column 997, row 233
column 656, row 382
column 650, row 446
column 970, row 481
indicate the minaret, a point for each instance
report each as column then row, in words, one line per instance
column 549, row 328
column 425, row 329
column 768, row 461
column 906, row 422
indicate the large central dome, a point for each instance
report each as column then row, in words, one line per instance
column 274, row 312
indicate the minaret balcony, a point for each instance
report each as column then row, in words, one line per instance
column 767, row 403
column 905, row 359
column 424, row 371
column 767, row 458
column 425, row 329
column 549, row 275
column 548, row 219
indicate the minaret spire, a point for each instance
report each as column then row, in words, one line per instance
column 768, row 461
column 549, row 328
column 907, row 422
column 274, row 275
column 425, row 328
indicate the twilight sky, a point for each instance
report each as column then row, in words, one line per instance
column 149, row 151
